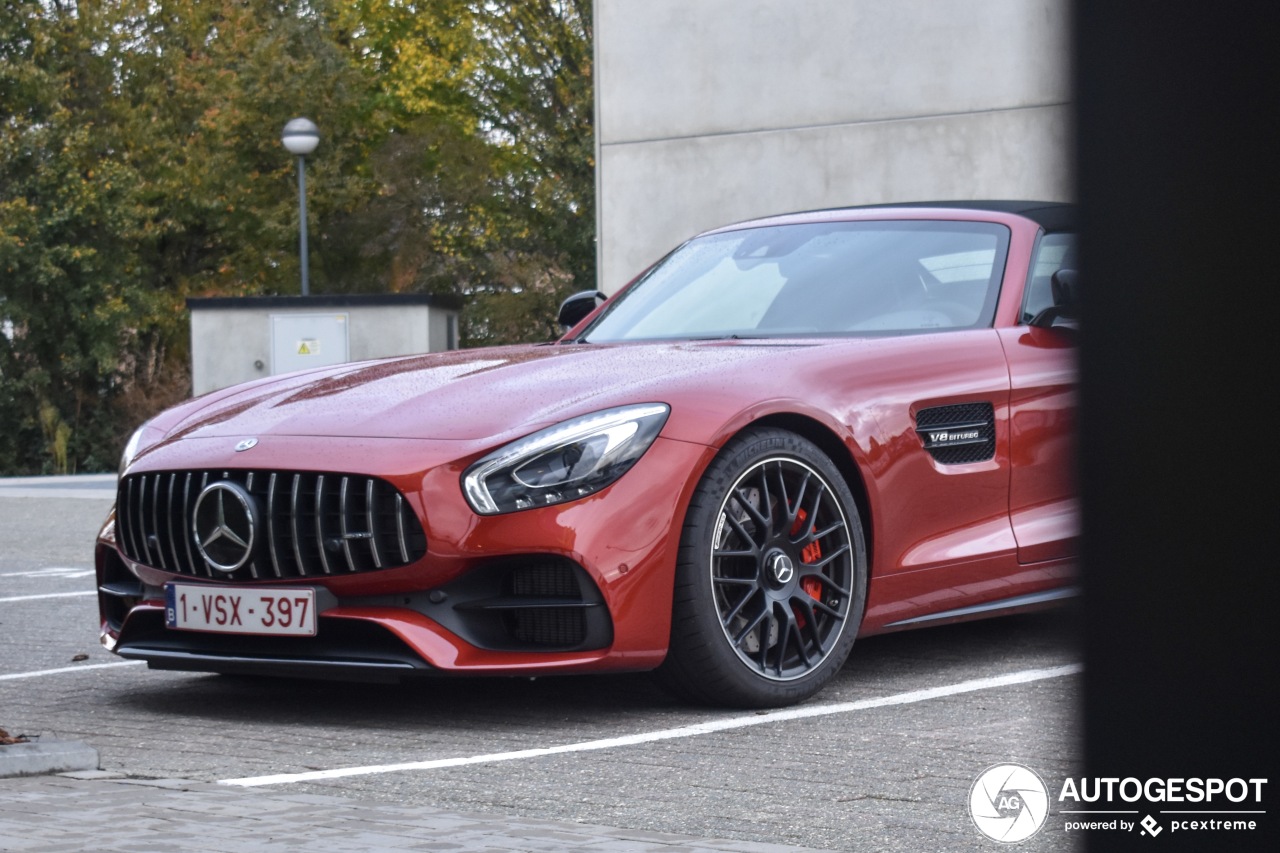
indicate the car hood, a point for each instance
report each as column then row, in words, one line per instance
column 475, row 394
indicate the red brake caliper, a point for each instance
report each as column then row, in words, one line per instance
column 812, row 553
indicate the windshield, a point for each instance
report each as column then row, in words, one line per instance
column 822, row 278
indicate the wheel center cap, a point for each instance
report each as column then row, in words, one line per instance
column 781, row 567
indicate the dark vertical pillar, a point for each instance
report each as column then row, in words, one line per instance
column 1178, row 150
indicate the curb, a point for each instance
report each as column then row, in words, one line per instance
column 45, row 756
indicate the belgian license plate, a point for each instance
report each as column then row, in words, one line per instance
column 240, row 610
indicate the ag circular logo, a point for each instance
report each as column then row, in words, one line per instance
column 1009, row 803
column 224, row 522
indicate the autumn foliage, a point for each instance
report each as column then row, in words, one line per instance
column 140, row 164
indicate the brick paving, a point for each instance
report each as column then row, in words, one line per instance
column 91, row 811
column 893, row 778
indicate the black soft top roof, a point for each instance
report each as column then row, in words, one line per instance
column 1049, row 215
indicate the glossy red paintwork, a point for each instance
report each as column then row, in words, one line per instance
column 940, row 537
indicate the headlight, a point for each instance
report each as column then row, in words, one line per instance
column 564, row 462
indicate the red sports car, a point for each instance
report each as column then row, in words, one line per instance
column 786, row 434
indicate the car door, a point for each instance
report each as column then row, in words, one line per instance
column 1043, row 504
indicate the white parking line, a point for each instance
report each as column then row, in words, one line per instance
column 49, row 595
column 55, row 572
column 720, row 725
column 100, row 487
column 14, row 676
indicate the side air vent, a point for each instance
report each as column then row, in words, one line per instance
column 955, row 435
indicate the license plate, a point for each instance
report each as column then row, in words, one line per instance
column 240, row 610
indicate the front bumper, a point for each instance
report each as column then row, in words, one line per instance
column 582, row 586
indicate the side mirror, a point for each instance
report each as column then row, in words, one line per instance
column 1065, row 286
column 579, row 305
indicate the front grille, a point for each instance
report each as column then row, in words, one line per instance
column 311, row 525
column 958, row 434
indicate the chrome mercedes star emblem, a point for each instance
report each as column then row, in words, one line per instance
column 782, row 567
column 223, row 523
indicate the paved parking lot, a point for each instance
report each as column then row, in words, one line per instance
column 883, row 759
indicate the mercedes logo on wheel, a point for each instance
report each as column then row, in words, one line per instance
column 782, row 567
column 224, row 523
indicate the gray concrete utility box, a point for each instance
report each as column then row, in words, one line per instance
column 237, row 339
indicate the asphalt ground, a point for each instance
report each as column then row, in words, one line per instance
column 883, row 759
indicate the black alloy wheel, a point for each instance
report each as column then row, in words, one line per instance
column 772, row 576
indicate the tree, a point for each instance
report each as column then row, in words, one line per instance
column 492, row 155
column 68, row 216
column 204, row 99
column 140, row 164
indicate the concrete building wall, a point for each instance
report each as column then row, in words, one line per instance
column 713, row 111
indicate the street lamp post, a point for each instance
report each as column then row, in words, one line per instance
column 301, row 136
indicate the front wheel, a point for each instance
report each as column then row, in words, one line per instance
column 771, row 578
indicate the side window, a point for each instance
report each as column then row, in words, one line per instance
column 1052, row 253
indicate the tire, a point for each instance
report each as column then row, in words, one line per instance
column 771, row 577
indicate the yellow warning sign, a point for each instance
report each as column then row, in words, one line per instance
column 309, row 346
